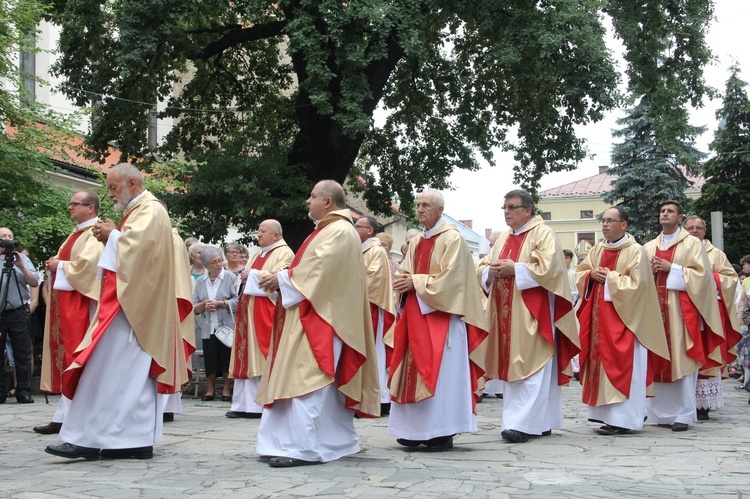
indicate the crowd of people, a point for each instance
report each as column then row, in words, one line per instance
column 307, row 342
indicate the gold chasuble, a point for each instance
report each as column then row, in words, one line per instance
column 67, row 316
column 380, row 289
column 184, row 289
column 691, row 317
column 145, row 288
column 254, row 318
column 327, row 271
column 443, row 274
column 726, row 280
column 608, row 329
column 521, row 338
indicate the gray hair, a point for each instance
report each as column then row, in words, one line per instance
column 209, row 253
column 195, row 248
column 275, row 225
column 332, row 189
column 436, row 196
column 128, row 171
column 695, row 217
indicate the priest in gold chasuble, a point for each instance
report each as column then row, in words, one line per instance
column 438, row 340
column 533, row 333
column 690, row 313
column 321, row 367
column 254, row 319
column 73, row 296
column 620, row 323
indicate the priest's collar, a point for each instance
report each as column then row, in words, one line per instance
column 668, row 239
column 522, row 228
column 619, row 242
column 364, row 243
column 429, row 233
column 135, row 199
column 87, row 223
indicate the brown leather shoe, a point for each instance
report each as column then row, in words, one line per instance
column 48, row 429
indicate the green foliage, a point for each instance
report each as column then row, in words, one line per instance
column 727, row 187
column 648, row 172
column 299, row 81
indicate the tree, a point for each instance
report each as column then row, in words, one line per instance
column 292, row 86
column 29, row 135
column 649, row 172
column 727, row 186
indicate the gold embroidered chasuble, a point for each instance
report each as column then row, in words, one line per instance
column 247, row 354
column 728, row 282
column 379, row 283
column 701, row 291
column 515, row 349
column 327, row 271
column 449, row 287
column 80, row 271
column 633, row 292
column 147, row 291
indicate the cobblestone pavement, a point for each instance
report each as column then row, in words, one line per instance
column 205, row 454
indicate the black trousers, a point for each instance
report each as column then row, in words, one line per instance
column 14, row 326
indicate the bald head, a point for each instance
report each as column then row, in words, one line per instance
column 269, row 232
column 326, row 196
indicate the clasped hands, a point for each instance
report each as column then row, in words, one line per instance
column 660, row 265
column 502, row 268
column 102, row 229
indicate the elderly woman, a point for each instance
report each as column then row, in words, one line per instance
column 234, row 253
column 386, row 242
column 214, row 300
column 196, row 267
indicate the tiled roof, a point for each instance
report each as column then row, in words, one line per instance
column 597, row 185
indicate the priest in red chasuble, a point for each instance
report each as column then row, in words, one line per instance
column 73, row 297
column 690, row 313
column 252, row 331
column 620, row 323
column 382, row 302
column 708, row 394
column 437, row 345
column 134, row 346
column 533, row 333
column 321, row 368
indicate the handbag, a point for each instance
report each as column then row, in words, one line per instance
column 225, row 334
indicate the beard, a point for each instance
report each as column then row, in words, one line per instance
column 121, row 204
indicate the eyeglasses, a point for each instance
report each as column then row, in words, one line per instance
column 73, row 204
column 233, row 252
column 610, row 221
column 511, row 207
column 361, row 226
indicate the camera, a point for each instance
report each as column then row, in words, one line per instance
column 8, row 247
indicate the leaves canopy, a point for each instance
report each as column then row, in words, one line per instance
column 273, row 96
column 727, row 186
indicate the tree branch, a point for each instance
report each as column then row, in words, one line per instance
column 238, row 37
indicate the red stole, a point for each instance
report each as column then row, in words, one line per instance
column 419, row 340
column 263, row 309
column 605, row 341
column 662, row 370
column 731, row 335
column 69, row 317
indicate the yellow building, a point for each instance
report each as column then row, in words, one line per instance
column 572, row 209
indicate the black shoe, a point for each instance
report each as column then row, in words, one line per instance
column 244, row 415
column 3, row 398
column 679, row 427
column 610, row 430
column 24, row 399
column 134, row 453
column 547, row 433
column 701, row 414
column 226, row 398
column 385, row 409
column 48, row 429
column 515, row 436
column 409, row 443
column 167, row 417
column 72, row 451
column 439, row 444
column 499, row 395
column 289, row 462
column 207, row 398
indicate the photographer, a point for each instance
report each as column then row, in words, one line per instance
column 14, row 318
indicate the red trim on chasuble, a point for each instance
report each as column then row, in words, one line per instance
column 605, row 341
column 732, row 336
column 419, row 340
column 69, row 317
column 263, row 310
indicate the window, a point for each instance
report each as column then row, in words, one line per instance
column 587, row 213
column 546, row 215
